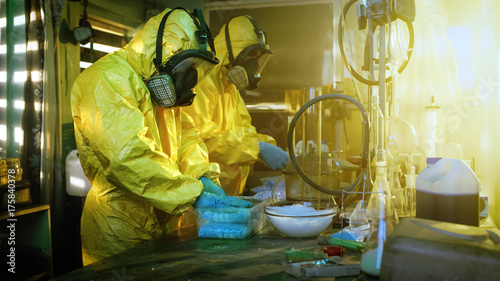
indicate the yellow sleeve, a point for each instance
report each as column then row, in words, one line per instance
column 247, row 122
column 225, row 126
column 194, row 153
column 118, row 140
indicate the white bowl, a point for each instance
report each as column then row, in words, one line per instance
column 304, row 219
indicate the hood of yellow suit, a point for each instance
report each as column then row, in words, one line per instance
column 242, row 35
column 179, row 35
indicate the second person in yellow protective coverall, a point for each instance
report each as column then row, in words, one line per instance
column 220, row 112
column 147, row 163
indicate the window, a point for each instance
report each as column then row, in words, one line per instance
column 108, row 38
column 13, row 49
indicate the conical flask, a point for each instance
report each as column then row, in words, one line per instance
column 381, row 185
column 383, row 216
column 397, row 191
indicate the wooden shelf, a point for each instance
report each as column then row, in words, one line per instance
column 32, row 237
column 21, row 211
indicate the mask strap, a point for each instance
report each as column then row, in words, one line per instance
column 203, row 35
column 228, row 44
column 261, row 36
column 211, row 40
column 159, row 38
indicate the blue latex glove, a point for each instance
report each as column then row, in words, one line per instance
column 274, row 157
column 209, row 186
column 213, row 196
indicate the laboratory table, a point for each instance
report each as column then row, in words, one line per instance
column 184, row 256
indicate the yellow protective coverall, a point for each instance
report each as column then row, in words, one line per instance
column 143, row 161
column 220, row 113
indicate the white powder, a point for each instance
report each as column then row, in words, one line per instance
column 299, row 220
column 297, row 210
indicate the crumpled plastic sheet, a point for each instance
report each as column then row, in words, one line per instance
column 358, row 228
column 263, row 192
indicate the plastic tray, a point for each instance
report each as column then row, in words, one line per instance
column 232, row 223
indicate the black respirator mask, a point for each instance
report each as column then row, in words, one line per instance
column 174, row 82
column 246, row 68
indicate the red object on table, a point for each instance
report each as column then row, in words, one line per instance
column 333, row 250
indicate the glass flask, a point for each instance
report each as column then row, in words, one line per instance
column 381, row 184
column 397, row 191
column 403, row 135
column 383, row 218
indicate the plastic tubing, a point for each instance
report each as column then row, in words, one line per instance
column 291, row 146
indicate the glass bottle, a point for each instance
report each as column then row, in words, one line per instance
column 410, row 193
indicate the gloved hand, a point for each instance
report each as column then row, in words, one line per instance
column 213, row 196
column 274, row 157
column 209, row 186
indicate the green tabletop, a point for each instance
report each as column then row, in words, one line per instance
column 184, row 256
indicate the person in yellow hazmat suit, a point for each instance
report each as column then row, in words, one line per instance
column 220, row 112
column 143, row 156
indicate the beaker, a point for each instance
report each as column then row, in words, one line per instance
column 321, row 169
column 308, row 152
